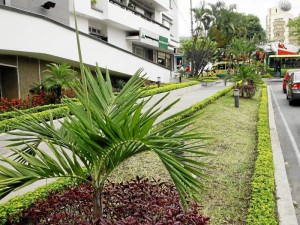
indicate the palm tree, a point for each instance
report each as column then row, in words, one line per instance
column 58, row 78
column 104, row 131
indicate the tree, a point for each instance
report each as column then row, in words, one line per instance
column 200, row 49
column 241, row 48
column 224, row 27
column 101, row 133
column 58, row 78
column 294, row 24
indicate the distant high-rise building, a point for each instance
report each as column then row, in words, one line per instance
column 277, row 26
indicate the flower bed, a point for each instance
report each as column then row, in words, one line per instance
column 139, row 201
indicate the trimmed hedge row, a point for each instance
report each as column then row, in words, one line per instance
column 13, row 114
column 169, row 87
column 57, row 111
column 262, row 208
column 16, row 204
column 7, row 125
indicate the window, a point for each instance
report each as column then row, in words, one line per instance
column 164, row 59
column 148, row 14
column 94, row 31
column 168, row 22
column 170, row 4
column 138, row 50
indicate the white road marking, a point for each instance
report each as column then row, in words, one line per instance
column 290, row 135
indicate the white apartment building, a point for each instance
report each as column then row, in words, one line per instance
column 120, row 35
column 277, row 26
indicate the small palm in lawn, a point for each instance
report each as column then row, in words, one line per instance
column 58, row 78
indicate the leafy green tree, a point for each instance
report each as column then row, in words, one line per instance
column 241, row 48
column 200, row 51
column 294, row 25
column 58, row 78
column 224, row 27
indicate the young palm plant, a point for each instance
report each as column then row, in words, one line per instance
column 99, row 134
column 58, row 78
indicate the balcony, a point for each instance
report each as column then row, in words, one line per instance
column 140, row 10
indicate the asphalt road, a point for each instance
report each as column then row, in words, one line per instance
column 288, row 127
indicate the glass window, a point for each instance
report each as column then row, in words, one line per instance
column 161, row 58
column 168, row 61
column 138, row 50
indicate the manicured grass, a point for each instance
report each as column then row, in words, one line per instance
column 233, row 132
column 234, row 145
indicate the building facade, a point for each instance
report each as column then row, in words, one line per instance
column 277, row 26
column 120, row 35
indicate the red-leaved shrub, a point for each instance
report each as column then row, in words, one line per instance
column 135, row 202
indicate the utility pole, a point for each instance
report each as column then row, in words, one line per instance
column 191, row 18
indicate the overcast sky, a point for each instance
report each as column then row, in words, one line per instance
column 255, row 7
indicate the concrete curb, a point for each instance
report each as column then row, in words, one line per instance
column 285, row 207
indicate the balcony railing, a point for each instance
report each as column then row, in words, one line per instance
column 137, row 13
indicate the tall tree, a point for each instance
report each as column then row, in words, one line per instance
column 200, row 48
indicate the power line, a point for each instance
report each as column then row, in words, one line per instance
column 180, row 13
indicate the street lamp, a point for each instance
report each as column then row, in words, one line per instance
column 236, row 94
column 158, row 81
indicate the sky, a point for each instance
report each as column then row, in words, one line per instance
column 255, row 7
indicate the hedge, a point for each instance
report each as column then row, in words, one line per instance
column 57, row 111
column 169, row 87
column 262, row 207
column 19, row 203
column 16, row 113
column 8, row 124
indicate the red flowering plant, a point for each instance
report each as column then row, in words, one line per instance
column 17, row 103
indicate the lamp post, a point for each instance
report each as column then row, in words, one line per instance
column 236, row 94
column 158, row 81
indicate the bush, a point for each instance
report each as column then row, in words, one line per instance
column 8, row 124
column 262, row 208
column 10, row 210
column 138, row 201
column 169, row 87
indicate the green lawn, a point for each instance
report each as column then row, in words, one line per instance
column 234, row 141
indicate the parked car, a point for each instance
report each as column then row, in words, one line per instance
column 293, row 87
column 287, row 77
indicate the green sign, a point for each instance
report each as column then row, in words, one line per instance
column 163, row 42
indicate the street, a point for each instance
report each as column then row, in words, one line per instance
column 288, row 127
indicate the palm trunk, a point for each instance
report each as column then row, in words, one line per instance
column 97, row 203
